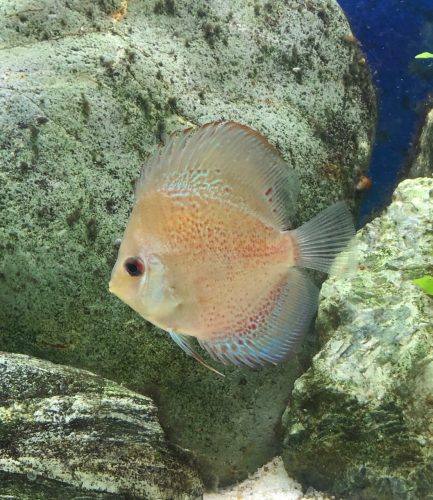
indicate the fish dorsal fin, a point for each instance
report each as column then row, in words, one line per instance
column 229, row 162
column 183, row 342
column 278, row 328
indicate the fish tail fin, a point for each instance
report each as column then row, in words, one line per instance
column 320, row 240
column 183, row 342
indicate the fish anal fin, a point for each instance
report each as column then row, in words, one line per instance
column 275, row 332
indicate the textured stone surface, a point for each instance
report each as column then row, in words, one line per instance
column 65, row 432
column 360, row 422
column 87, row 89
column 423, row 163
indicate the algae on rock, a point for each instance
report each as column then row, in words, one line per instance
column 66, row 433
column 422, row 166
column 360, row 421
column 87, row 89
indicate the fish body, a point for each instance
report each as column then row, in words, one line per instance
column 210, row 253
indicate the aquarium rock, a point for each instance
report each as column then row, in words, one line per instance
column 422, row 166
column 67, row 433
column 87, row 90
column 359, row 424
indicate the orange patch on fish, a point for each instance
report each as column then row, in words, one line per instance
column 364, row 183
column 206, row 252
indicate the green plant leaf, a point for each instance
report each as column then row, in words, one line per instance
column 424, row 55
column 426, row 283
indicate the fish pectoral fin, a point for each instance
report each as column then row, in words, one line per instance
column 278, row 329
column 183, row 342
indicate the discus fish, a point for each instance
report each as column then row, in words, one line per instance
column 207, row 253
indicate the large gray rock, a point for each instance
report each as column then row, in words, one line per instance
column 66, row 432
column 360, row 421
column 87, row 89
column 422, row 165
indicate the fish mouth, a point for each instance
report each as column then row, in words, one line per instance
column 113, row 279
column 111, row 287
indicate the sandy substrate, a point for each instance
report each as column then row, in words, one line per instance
column 270, row 482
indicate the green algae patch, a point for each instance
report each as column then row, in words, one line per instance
column 425, row 283
column 424, row 55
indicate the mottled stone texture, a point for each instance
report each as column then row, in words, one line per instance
column 422, row 166
column 66, row 433
column 360, row 424
column 87, row 89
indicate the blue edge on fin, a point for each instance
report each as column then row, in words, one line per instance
column 280, row 335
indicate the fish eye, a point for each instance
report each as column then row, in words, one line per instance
column 134, row 266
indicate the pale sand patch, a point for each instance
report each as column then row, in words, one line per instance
column 270, row 482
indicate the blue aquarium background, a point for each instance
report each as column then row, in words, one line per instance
column 391, row 33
